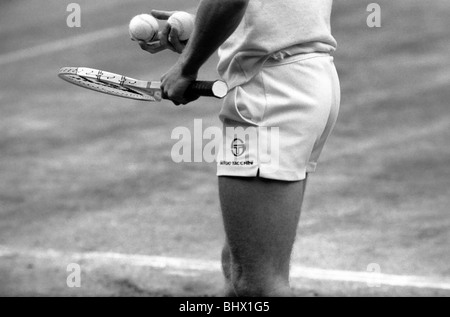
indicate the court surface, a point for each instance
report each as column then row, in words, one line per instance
column 88, row 178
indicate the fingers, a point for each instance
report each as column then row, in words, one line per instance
column 177, row 100
column 175, row 41
column 152, row 47
column 169, row 39
column 164, row 36
column 162, row 15
column 168, row 36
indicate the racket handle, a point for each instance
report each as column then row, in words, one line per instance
column 217, row 89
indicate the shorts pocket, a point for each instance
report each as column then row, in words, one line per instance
column 250, row 101
column 271, row 62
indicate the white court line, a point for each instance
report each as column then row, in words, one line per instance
column 61, row 45
column 183, row 266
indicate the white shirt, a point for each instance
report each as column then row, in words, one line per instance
column 275, row 28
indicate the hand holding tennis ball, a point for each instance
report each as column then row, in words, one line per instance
column 144, row 27
column 183, row 22
column 174, row 34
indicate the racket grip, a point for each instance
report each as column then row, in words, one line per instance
column 217, row 89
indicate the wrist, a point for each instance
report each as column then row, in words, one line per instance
column 188, row 69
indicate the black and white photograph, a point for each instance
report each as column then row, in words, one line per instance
column 214, row 149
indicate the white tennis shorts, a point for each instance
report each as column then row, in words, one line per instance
column 276, row 125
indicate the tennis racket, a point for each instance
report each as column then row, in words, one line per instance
column 126, row 87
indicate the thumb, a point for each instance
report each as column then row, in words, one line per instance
column 175, row 41
column 162, row 15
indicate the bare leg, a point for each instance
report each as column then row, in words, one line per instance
column 226, row 268
column 261, row 218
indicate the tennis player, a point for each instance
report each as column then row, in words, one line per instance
column 275, row 58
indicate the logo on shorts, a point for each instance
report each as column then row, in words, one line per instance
column 238, row 147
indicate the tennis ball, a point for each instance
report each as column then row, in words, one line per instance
column 143, row 27
column 184, row 23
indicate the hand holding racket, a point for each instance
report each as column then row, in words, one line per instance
column 175, row 83
column 127, row 87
